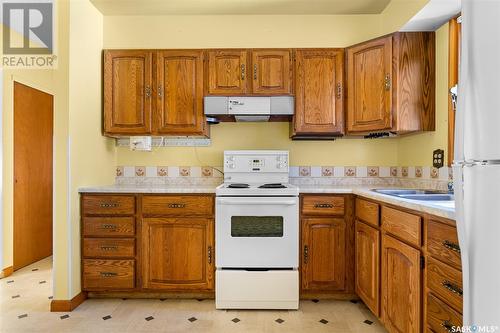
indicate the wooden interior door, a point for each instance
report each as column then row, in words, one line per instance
column 369, row 86
column 179, row 109
column 319, row 99
column 227, row 72
column 367, row 265
column 33, row 139
column 178, row 253
column 401, row 291
column 271, row 72
column 323, row 254
column 128, row 78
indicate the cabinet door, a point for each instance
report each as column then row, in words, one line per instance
column 179, row 93
column 227, row 72
column 319, row 97
column 369, row 90
column 178, row 254
column 323, row 254
column 367, row 265
column 127, row 91
column 271, row 72
column 401, row 291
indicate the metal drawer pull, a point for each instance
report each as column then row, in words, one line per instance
column 109, row 248
column 109, row 204
column 176, row 205
column 451, row 246
column 209, row 255
column 447, row 326
column 306, row 254
column 108, row 274
column 452, row 287
column 108, row 226
column 339, row 90
column 323, row 206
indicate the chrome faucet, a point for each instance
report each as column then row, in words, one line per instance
column 450, row 187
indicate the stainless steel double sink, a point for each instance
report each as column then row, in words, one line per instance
column 420, row 195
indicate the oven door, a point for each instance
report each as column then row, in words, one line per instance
column 257, row 232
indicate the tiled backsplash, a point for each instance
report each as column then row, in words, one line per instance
column 410, row 172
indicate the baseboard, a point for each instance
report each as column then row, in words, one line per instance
column 6, row 272
column 68, row 305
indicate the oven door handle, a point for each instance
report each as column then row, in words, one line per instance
column 250, row 202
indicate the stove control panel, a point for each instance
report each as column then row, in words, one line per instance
column 264, row 161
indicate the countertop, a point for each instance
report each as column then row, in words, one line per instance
column 439, row 208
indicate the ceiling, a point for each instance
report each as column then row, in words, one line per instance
column 239, row 7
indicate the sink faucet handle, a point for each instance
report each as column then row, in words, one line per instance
column 450, row 187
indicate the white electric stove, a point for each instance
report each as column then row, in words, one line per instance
column 257, row 233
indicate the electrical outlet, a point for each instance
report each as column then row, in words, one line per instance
column 438, row 158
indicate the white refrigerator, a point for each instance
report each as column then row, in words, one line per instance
column 476, row 168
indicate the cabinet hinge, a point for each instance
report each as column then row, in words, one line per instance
column 422, row 262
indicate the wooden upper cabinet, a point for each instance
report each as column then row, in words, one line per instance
column 227, row 72
column 178, row 253
column 271, row 72
column 367, row 265
column 179, row 93
column 369, row 93
column 401, row 286
column 128, row 78
column 319, row 98
column 323, row 254
column 391, row 84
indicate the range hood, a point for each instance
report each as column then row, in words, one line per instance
column 225, row 108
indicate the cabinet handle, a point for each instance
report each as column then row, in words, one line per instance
column 318, row 205
column 148, row 91
column 452, row 287
column 109, row 205
column 255, row 71
column 209, row 255
column 447, row 326
column 109, row 248
column 306, row 254
column 160, row 91
column 339, row 90
column 451, row 246
column 242, row 71
column 108, row 226
column 108, row 274
column 387, row 82
column 176, row 205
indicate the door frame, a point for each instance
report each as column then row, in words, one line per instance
column 8, row 157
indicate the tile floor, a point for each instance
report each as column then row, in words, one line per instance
column 25, row 298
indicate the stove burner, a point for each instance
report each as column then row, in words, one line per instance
column 238, row 185
column 273, row 185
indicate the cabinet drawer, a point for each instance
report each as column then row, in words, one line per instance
column 108, row 205
column 177, row 205
column 367, row 211
column 108, row 226
column 108, row 274
column 403, row 225
column 446, row 282
column 108, row 247
column 322, row 205
column 440, row 317
column 442, row 243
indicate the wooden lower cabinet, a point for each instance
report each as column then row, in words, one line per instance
column 323, row 254
column 367, row 258
column 401, row 286
column 178, row 253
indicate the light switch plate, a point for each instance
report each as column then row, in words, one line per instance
column 438, row 158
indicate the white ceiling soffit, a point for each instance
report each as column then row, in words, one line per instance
column 433, row 15
column 240, row 7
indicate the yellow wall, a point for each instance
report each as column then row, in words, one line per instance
column 417, row 149
column 92, row 156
